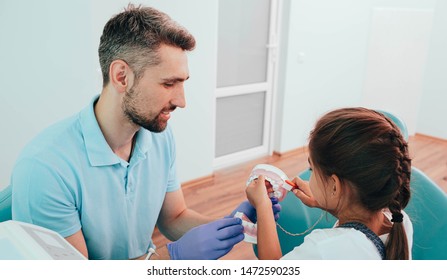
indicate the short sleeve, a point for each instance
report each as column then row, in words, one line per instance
column 40, row 196
column 173, row 182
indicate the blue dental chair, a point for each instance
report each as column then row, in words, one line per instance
column 5, row 204
column 427, row 209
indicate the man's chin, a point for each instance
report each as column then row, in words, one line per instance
column 157, row 128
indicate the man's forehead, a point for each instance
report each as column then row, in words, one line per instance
column 172, row 63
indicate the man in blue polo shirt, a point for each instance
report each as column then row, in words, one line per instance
column 105, row 177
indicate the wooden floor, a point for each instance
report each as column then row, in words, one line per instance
column 220, row 195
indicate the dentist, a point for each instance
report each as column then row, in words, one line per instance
column 105, row 177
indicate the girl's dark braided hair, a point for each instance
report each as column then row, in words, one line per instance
column 365, row 149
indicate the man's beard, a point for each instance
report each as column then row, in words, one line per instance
column 130, row 111
column 154, row 125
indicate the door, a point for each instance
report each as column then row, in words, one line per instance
column 247, row 36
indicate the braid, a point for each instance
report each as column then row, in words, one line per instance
column 402, row 171
column 397, row 245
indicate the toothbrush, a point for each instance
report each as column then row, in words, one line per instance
column 294, row 186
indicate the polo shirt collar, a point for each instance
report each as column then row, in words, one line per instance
column 143, row 143
column 98, row 150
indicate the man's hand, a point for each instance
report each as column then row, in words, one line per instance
column 249, row 211
column 208, row 241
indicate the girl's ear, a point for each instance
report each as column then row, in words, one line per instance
column 335, row 186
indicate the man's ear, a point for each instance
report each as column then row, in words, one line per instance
column 121, row 77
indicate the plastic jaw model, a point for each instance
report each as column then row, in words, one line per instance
column 275, row 176
column 250, row 229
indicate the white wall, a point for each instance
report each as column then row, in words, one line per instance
column 397, row 55
column 47, row 66
column 329, row 60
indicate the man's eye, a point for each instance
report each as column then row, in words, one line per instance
column 168, row 84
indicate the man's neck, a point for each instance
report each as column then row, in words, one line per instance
column 117, row 130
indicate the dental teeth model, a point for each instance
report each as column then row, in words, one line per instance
column 275, row 176
column 250, row 229
column 277, row 179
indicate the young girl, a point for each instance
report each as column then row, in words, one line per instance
column 361, row 175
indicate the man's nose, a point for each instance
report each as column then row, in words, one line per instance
column 179, row 97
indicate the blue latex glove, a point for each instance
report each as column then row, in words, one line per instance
column 276, row 207
column 208, row 241
column 249, row 211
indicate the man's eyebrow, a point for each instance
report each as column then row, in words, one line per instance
column 175, row 79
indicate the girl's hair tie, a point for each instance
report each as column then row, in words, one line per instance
column 397, row 218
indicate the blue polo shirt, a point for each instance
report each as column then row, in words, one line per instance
column 68, row 178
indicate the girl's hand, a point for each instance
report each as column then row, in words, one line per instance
column 303, row 192
column 257, row 193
